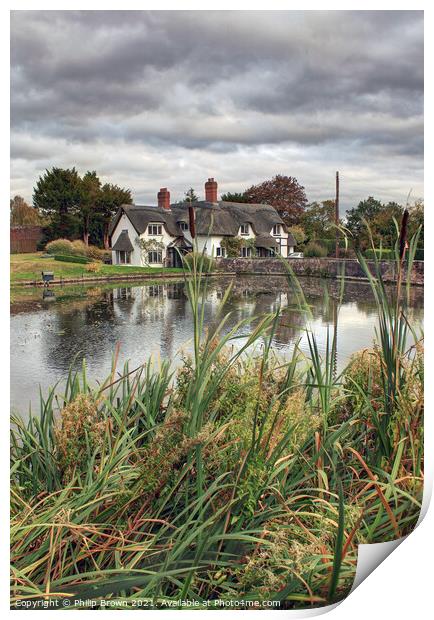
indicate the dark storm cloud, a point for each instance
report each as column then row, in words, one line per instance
column 272, row 89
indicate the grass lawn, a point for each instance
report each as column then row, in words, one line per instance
column 29, row 267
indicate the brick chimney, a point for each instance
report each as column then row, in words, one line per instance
column 211, row 190
column 164, row 198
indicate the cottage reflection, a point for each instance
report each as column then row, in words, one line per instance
column 48, row 333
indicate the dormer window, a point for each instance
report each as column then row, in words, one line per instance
column 155, row 230
column 244, row 229
column 276, row 230
column 183, row 226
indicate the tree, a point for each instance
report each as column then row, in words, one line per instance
column 235, row 197
column 190, row 196
column 282, row 192
column 416, row 220
column 298, row 233
column 86, row 210
column 318, row 219
column 366, row 210
column 57, row 195
column 111, row 197
column 383, row 226
column 22, row 214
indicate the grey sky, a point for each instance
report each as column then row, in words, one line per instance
column 152, row 99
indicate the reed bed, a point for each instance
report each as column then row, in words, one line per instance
column 236, row 478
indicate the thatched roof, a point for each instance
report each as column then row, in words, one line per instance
column 221, row 218
column 123, row 243
column 266, row 241
column 140, row 217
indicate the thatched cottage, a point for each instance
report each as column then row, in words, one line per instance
column 156, row 236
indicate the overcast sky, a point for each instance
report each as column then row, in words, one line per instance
column 153, row 99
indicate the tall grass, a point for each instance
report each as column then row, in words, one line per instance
column 238, row 479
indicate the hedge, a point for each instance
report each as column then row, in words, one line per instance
column 383, row 253
column 315, row 250
column 82, row 260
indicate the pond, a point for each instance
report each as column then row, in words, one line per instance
column 50, row 330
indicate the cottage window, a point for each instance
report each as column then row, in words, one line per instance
column 155, row 229
column 220, row 252
column 123, row 258
column 246, row 252
column 244, row 229
column 183, row 226
column 276, row 229
column 155, row 256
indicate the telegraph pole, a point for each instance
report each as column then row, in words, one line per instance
column 337, row 215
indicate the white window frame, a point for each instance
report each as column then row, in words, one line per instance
column 220, row 252
column 246, row 252
column 277, row 230
column 244, row 230
column 183, row 226
column 125, row 255
column 155, row 254
column 152, row 227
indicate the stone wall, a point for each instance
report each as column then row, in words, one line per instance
column 317, row 267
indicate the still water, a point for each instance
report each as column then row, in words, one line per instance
column 52, row 330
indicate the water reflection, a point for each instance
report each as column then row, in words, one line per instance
column 48, row 333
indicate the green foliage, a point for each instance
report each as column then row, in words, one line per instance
column 233, row 245
column 381, row 220
column 79, row 436
column 148, row 245
column 318, row 219
column 190, row 195
column 381, row 253
column 87, row 209
column 314, row 250
column 111, row 197
column 66, row 247
column 247, row 477
column 207, row 262
column 60, row 246
column 56, row 196
column 298, row 233
column 234, row 197
column 76, row 206
column 82, row 260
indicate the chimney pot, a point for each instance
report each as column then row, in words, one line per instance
column 211, row 190
column 163, row 197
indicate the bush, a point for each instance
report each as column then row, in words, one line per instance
column 83, row 260
column 315, row 250
column 97, row 253
column 364, row 371
column 203, row 261
column 93, row 267
column 60, row 246
column 79, row 248
column 79, row 434
column 383, row 253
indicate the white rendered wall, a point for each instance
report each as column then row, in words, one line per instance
column 125, row 224
column 164, row 238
